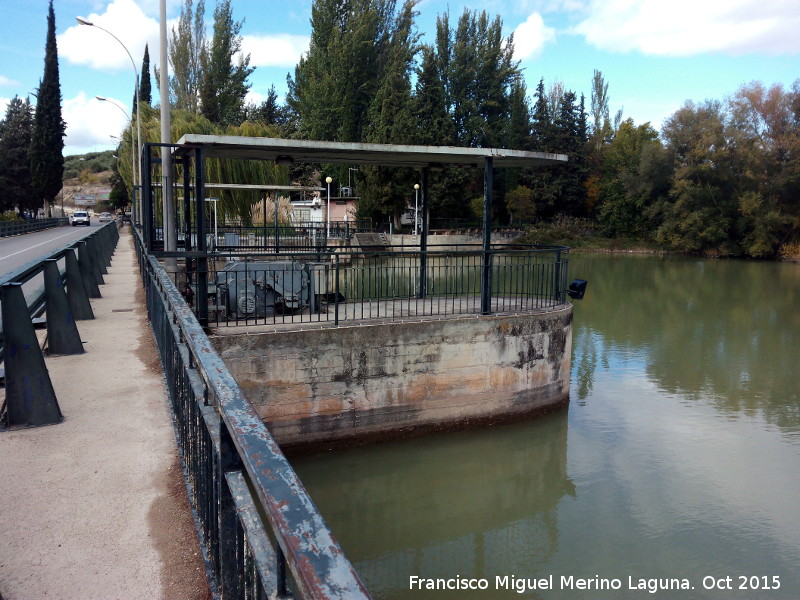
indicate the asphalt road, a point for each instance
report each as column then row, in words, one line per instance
column 19, row 250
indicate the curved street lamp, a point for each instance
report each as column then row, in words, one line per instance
column 136, row 181
column 133, row 158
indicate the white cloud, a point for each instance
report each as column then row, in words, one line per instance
column 531, row 36
column 3, row 106
column 254, row 98
column 690, row 27
column 90, row 122
column 84, row 45
column 8, row 82
column 277, row 50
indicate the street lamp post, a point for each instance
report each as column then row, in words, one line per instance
column 416, row 207
column 133, row 158
column 136, row 181
column 328, row 180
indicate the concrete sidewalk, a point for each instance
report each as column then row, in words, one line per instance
column 95, row 507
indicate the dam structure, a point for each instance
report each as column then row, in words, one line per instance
column 278, row 332
column 334, row 342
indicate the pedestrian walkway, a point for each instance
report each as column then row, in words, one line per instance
column 95, row 507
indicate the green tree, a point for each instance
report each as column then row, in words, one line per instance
column 628, row 186
column 16, row 185
column 521, row 205
column 47, row 139
column 336, row 82
column 224, row 83
column 480, row 73
column 269, row 111
column 570, row 139
column 187, row 49
column 390, row 119
column 700, row 213
column 145, row 86
column 601, row 119
column 765, row 134
column 118, row 198
column 434, row 127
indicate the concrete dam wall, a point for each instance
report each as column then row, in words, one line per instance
column 383, row 380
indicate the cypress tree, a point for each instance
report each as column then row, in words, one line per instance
column 47, row 140
column 145, row 87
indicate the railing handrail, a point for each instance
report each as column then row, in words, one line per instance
column 320, row 568
column 33, row 268
column 29, row 225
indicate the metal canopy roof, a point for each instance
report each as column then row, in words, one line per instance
column 276, row 149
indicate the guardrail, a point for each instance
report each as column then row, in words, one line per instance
column 59, row 284
column 238, row 479
column 8, row 228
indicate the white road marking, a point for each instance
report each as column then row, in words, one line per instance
column 31, row 247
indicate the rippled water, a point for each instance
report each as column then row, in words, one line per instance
column 678, row 457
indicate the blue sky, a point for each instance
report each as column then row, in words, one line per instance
column 654, row 54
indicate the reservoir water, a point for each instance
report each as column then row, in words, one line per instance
column 676, row 464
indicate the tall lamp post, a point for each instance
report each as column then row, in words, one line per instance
column 133, row 158
column 328, row 180
column 416, row 207
column 136, row 181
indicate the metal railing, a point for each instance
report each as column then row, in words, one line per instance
column 305, row 235
column 30, row 275
column 8, row 228
column 79, row 267
column 238, row 479
column 342, row 286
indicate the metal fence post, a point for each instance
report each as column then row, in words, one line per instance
column 92, row 243
column 62, row 333
column 230, row 571
column 30, row 398
column 486, row 270
column 76, row 290
column 87, row 273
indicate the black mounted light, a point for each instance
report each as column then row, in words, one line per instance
column 577, row 289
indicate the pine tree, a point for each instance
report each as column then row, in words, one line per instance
column 47, row 141
column 269, row 111
column 15, row 165
column 541, row 121
column 569, row 139
column 224, row 84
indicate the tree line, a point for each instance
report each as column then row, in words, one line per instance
column 32, row 140
column 722, row 176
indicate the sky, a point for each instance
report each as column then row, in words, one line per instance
column 654, row 54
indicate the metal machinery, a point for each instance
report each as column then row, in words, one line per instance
column 258, row 289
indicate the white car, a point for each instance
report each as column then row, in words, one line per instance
column 80, row 217
column 105, row 217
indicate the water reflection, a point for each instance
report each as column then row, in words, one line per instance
column 478, row 504
column 725, row 331
column 678, row 457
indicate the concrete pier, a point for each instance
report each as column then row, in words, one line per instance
column 368, row 379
